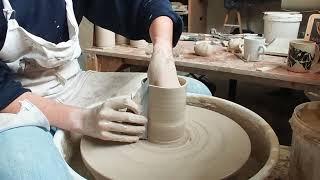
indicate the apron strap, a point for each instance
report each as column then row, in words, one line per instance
column 8, row 12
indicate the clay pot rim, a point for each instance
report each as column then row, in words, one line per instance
column 296, row 121
column 183, row 83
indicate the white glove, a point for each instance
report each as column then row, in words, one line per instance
column 141, row 97
column 117, row 119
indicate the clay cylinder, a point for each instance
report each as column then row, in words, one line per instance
column 121, row 40
column 305, row 147
column 138, row 43
column 104, row 37
column 166, row 113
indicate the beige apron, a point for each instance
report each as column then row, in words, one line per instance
column 52, row 70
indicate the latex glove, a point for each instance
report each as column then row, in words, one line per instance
column 162, row 71
column 141, row 97
column 117, row 119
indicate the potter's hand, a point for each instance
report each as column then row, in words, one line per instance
column 162, row 71
column 108, row 122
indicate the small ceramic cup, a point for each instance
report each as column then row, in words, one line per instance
column 303, row 56
column 254, row 48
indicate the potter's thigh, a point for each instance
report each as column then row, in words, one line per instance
column 100, row 86
column 197, row 87
column 29, row 153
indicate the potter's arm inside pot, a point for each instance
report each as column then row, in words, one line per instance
column 154, row 21
column 131, row 19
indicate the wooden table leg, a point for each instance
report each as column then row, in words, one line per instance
column 232, row 90
column 104, row 64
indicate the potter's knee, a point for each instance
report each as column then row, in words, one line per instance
column 197, row 87
column 29, row 153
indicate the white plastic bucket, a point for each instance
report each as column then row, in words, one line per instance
column 305, row 147
column 283, row 25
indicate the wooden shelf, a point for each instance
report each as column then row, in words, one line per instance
column 196, row 16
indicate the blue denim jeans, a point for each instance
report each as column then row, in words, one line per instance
column 29, row 152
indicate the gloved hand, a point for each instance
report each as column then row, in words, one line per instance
column 117, row 119
column 162, row 71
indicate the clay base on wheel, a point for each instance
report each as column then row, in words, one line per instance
column 213, row 147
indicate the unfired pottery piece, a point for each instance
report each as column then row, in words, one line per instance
column 104, row 37
column 204, row 49
column 236, row 45
column 138, row 44
column 121, row 40
column 166, row 113
column 213, row 147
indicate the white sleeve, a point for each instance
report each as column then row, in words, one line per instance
column 29, row 115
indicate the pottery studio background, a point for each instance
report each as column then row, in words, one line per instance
column 274, row 100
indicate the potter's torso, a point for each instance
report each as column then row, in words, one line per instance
column 41, row 65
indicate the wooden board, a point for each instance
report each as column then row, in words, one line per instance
column 197, row 19
column 272, row 70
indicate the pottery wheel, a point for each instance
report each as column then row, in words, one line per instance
column 214, row 147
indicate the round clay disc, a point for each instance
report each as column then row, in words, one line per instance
column 215, row 147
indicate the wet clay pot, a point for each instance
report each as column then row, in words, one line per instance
column 166, row 114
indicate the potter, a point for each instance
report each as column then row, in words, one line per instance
column 40, row 76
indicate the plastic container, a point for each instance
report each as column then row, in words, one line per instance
column 305, row 147
column 283, row 25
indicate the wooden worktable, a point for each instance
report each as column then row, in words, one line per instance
column 270, row 71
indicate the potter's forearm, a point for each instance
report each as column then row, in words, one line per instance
column 59, row 115
column 161, row 32
column 162, row 71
